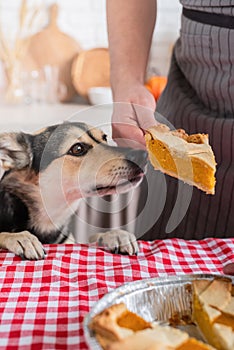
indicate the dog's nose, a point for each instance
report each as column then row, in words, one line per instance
column 138, row 157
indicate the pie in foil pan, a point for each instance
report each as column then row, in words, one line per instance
column 162, row 300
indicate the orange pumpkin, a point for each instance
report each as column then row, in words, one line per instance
column 156, row 85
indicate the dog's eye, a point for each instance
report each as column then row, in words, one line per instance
column 79, row 149
column 104, row 137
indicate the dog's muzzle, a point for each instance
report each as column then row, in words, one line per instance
column 129, row 175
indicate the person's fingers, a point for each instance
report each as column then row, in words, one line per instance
column 127, row 135
column 229, row 269
column 144, row 116
column 129, row 122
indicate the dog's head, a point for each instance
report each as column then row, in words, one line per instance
column 73, row 157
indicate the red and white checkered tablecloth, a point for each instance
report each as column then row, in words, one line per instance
column 43, row 303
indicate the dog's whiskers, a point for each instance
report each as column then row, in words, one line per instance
column 113, row 179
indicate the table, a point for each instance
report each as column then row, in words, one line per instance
column 43, row 303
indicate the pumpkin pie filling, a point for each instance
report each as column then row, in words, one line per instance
column 187, row 157
column 132, row 321
column 193, row 344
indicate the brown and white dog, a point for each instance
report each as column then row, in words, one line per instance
column 45, row 174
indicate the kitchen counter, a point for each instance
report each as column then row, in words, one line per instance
column 33, row 117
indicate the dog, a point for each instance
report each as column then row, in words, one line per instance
column 45, row 174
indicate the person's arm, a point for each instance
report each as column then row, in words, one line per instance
column 130, row 28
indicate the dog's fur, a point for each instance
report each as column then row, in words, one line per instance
column 45, row 174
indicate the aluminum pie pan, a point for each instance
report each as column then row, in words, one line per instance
column 154, row 299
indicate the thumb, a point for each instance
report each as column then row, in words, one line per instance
column 145, row 117
column 147, row 122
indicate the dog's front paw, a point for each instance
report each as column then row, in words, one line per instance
column 24, row 244
column 117, row 241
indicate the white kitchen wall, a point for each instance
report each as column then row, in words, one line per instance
column 86, row 21
column 165, row 35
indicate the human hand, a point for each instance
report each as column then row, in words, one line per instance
column 229, row 269
column 133, row 113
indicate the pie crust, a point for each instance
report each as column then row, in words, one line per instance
column 187, row 157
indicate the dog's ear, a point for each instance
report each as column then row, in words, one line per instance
column 15, row 151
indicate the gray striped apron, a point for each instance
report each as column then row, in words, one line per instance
column 199, row 97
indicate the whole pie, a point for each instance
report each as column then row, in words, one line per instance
column 187, row 157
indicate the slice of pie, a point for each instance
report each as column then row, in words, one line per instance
column 116, row 323
column 213, row 311
column 187, row 157
column 116, row 328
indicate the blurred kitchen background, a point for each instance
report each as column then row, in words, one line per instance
column 54, row 66
column 31, row 64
